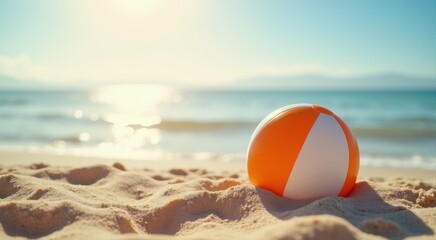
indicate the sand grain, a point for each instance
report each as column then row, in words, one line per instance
column 100, row 201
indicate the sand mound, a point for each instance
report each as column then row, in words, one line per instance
column 102, row 201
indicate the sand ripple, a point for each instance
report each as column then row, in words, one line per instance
column 101, row 201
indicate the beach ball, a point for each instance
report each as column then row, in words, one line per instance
column 303, row 151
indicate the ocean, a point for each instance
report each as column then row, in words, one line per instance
column 152, row 122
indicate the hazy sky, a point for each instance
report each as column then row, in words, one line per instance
column 204, row 41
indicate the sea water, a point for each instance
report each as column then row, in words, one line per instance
column 149, row 122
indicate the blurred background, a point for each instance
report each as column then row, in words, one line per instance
column 151, row 79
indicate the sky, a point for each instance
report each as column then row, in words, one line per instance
column 202, row 41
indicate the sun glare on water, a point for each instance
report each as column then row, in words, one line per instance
column 134, row 98
column 133, row 112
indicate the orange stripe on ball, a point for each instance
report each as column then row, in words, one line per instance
column 273, row 151
column 353, row 159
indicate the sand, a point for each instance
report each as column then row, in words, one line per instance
column 138, row 200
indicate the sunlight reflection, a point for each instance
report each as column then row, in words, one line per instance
column 134, row 98
column 78, row 114
column 134, row 110
column 133, row 121
column 84, row 137
column 94, row 117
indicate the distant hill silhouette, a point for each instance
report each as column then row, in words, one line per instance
column 381, row 81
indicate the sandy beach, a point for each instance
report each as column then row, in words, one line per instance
column 209, row 120
column 65, row 197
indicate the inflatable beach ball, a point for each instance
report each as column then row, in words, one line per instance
column 303, row 151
